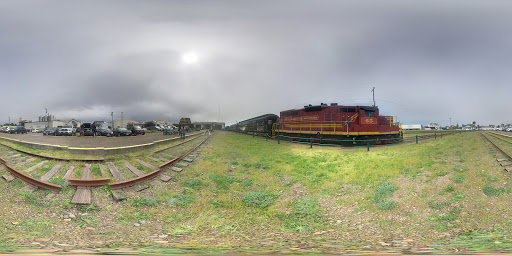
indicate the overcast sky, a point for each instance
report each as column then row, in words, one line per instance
column 429, row 61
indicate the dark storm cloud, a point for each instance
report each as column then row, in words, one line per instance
column 429, row 60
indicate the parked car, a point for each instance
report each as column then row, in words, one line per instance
column 104, row 132
column 64, row 131
column 35, row 130
column 50, row 131
column 6, row 129
column 86, row 129
column 18, row 130
column 122, row 132
column 509, row 129
column 137, row 130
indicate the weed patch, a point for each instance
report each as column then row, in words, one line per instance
column 222, row 182
column 181, row 200
column 492, row 191
column 194, row 183
column 306, row 215
column 144, row 201
column 259, row 199
column 382, row 192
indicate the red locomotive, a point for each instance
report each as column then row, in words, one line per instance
column 324, row 122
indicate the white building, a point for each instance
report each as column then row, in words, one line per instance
column 412, row 127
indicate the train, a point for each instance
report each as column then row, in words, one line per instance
column 326, row 122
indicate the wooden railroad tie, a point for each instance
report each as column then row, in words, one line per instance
column 188, row 160
column 83, row 194
column 113, row 170
column 506, row 164
column 176, row 169
column 8, row 177
column 150, row 166
column 183, row 164
column 501, row 159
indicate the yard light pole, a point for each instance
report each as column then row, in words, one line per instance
column 47, row 119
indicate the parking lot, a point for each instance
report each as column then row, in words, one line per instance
column 88, row 141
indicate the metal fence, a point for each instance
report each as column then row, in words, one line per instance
column 352, row 143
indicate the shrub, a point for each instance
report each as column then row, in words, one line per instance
column 382, row 192
column 491, row 191
column 437, row 205
column 259, row 199
column 307, row 214
column 449, row 189
column 459, row 178
column 181, row 200
column 222, row 182
column 145, row 201
column 193, row 183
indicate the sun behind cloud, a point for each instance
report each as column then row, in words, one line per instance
column 190, row 57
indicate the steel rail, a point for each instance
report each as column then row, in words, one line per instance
column 505, row 153
column 151, row 175
column 89, row 182
column 31, row 180
column 494, row 135
column 54, row 158
column 161, row 150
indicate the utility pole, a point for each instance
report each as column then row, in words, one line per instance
column 373, row 91
column 450, row 122
column 122, row 120
column 112, row 114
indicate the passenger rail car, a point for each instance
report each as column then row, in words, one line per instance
column 260, row 125
column 323, row 121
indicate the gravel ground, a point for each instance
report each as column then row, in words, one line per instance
column 88, row 141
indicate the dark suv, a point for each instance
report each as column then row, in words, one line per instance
column 86, row 129
column 18, row 130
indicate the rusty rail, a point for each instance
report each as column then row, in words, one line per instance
column 54, row 158
column 151, row 175
column 89, row 182
column 504, row 153
column 181, row 143
column 30, row 179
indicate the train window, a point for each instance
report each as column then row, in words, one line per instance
column 348, row 110
column 368, row 113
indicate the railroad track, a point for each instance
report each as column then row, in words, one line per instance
column 39, row 171
column 504, row 158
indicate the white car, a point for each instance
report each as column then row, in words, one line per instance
column 34, row 130
column 509, row 129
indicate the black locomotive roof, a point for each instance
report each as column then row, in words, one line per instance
column 311, row 108
column 370, row 108
column 266, row 116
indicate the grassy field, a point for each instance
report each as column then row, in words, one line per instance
column 248, row 194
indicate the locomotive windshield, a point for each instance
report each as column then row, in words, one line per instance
column 369, row 113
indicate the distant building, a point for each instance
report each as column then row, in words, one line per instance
column 487, row 128
column 412, row 127
column 74, row 123
column 47, row 124
column 123, row 123
column 209, row 125
column 433, row 126
column 162, row 123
